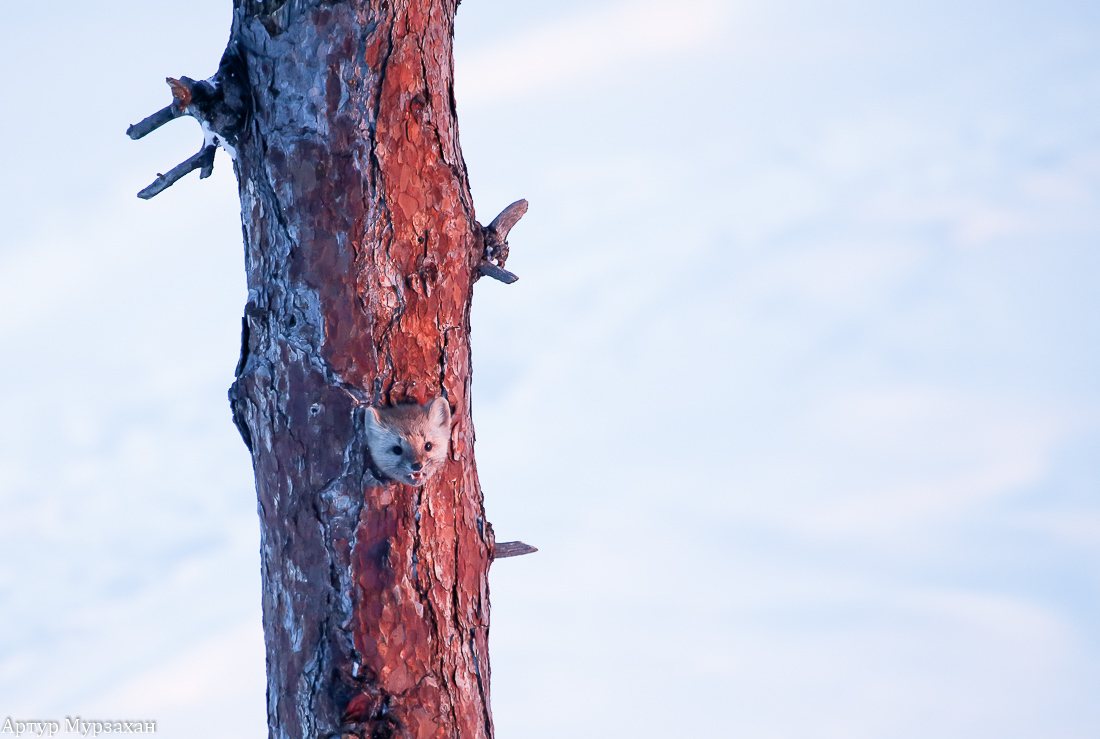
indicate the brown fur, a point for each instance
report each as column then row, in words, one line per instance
column 421, row 432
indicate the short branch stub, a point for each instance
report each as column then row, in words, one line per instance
column 512, row 549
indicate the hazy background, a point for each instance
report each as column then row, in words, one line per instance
column 797, row 393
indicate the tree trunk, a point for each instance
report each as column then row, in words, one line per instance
column 361, row 253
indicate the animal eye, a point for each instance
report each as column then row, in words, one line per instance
column 396, row 450
column 428, row 446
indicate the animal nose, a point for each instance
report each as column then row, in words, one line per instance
column 416, row 466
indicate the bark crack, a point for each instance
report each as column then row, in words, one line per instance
column 436, row 135
column 480, row 682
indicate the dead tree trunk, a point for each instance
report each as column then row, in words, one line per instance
column 361, row 250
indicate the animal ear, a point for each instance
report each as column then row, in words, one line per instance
column 439, row 413
column 374, row 421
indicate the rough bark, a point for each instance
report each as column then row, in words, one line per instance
column 361, row 250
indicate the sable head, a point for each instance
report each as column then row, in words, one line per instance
column 408, row 443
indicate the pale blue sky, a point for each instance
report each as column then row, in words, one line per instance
column 796, row 393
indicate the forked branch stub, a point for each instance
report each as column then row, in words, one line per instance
column 495, row 237
column 222, row 105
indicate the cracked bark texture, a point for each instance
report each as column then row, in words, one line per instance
column 361, row 251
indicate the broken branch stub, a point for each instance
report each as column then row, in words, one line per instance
column 153, row 122
column 495, row 236
column 221, row 104
column 488, row 269
column 512, row 549
column 508, row 217
column 203, row 161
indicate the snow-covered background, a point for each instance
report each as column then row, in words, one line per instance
column 798, row 393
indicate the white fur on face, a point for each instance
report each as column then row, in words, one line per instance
column 408, row 443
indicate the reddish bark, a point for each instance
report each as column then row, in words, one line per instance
column 361, row 255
